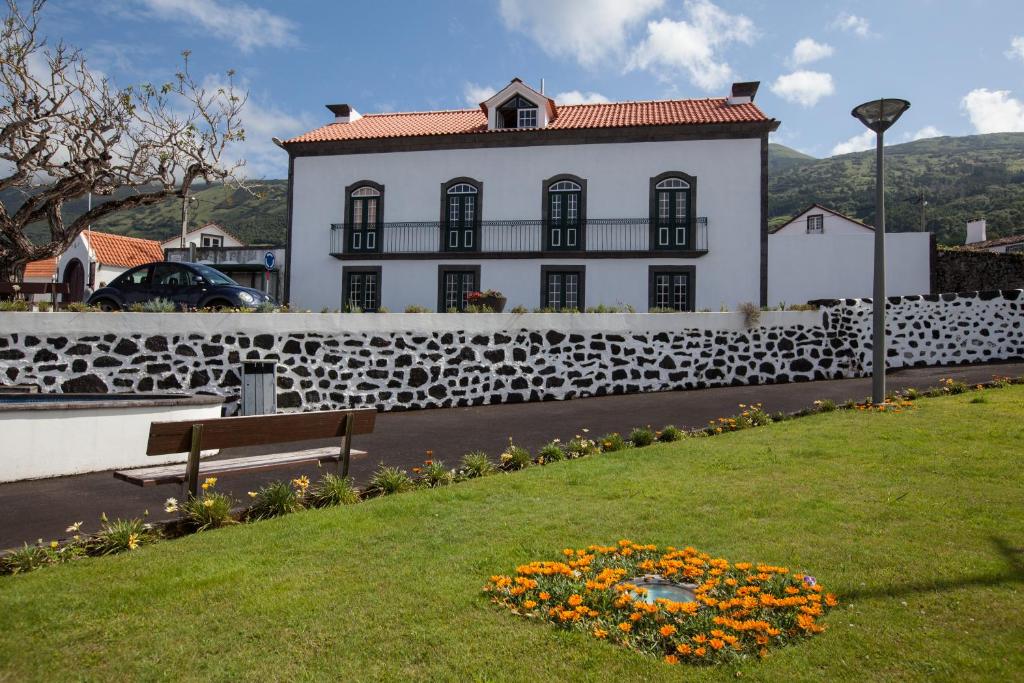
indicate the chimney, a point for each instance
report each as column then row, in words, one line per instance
column 975, row 231
column 344, row 113
column 743, row 93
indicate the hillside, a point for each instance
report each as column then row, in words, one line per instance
column 960, row 177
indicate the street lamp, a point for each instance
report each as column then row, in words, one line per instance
column 879, row 115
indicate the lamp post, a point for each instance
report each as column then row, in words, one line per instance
column 879, row 115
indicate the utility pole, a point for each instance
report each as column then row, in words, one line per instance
column 184, row 219
column 923, row 203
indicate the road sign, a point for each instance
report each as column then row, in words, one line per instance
column 269, row 260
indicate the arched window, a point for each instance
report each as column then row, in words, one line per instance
column 565, row 212
column 460, row 214
column 364, row 210
column 672, row 211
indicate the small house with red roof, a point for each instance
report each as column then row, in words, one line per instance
column 207, row 236
column 651, row 204
column 95, row 258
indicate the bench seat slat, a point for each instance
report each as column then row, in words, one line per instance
column 175, row 474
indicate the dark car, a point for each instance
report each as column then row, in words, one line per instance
column 188, row 285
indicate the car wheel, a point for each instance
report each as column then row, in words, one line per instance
column 107, row 305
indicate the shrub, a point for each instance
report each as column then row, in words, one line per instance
column 15, row 306
column 662, row 309
column 333, row 490
column 25, row 559
column 751, row 314
column 911, row 394
column 417, row 309
column 612, row 442
column 80, row 307
column 266, row 307
column 515, row 457
column 952, row 386
column 670, row 433
column 159, row 305
column 276, row 499
column 825, row 405
column 476, row 464
column 44, row 306
column 120, row 535
column 602, row 308
column 388, row 480
column 641, row 436
column 519, row 308
column 551, row 452
column 801, row 307
column 979, row 399
column 209, row 511
column 434, row 473
column 580, row 447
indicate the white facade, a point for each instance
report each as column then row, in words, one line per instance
column 618, row 179
column 830, row 222
column 97, row 274
column 841, row 266
column 209, row 235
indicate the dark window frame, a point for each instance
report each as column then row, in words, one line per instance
column 691, row 285
column 691, row 211
column 820, row 226
column 445, row 268
column 519, row 103
column 349, row 189
column 546, row 211
column 345, row 285
column 476, row 216
column 580, row 270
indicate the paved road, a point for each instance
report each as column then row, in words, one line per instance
column 42, row 509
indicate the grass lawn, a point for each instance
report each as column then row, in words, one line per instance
column 915, row 520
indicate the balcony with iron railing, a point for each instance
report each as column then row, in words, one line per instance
column 594, row 238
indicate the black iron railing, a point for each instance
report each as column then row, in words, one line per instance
column 606, row 235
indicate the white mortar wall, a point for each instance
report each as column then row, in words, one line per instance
column 618, row 177
column 837, row 266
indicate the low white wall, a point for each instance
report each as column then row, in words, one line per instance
column 58, row 442
column 837, row 266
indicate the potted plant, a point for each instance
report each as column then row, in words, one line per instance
column 490, row 298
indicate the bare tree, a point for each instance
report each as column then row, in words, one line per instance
column 66, row 132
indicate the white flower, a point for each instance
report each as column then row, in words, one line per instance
column 74, row 527
column 171, row 505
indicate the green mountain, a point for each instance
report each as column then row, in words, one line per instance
column 960, row 178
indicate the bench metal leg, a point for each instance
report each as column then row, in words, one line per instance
column 346, row 444
column 192, row 468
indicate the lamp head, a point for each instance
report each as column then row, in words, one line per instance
column 879, row 115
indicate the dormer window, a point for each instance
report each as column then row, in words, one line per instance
column 518, row 112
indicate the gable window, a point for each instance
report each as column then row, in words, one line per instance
column 561, row 287
column 360, row 289
column 816, row 224
column 671, row 288
column 460, row 214
column 213, row 241
column 518, row 112
column 672, row 210
column 454, row 285
column 364, row 208
column 564, row 213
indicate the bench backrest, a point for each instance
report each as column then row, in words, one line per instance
column 36, row 288
column 257, row 430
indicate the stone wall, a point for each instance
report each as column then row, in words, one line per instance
column 406, row 361
column 965, row 270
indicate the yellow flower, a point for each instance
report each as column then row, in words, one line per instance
column 54, row 544
column 207, row 503
column 253, row 494
column 209, row 483
column 133, row 541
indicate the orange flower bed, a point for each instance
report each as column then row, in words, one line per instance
column 740, row 609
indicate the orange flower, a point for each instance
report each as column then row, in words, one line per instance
column 575, row 599
column 625, row 627
column 700, row 638
column 683, row 649
column 831, row 600
column 600, row 633
column 717, row 643
column 667, row 630
column 700, row 651
column 529, row 604
column 671, row 659
column 636, row 616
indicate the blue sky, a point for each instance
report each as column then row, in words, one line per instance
column 961, row 64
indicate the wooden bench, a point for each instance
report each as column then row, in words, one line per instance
column 193, row 436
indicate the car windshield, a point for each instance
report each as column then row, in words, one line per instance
column 214, row 277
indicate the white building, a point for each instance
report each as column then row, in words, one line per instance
column 823, row 254
column 96, row 258
column 650, row 204
column 977, row 239
column 209, row 235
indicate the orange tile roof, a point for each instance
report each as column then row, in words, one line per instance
column 44, row 268
column 118, row 250
column 570, row 116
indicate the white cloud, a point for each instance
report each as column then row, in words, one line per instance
column 858, row 143
column 245, row 26
column 993, row 111
column 587, row 30
column 577, row 97
column 693, row 44
column 926, row 132
column 804, row 87
column 809, row 50
column 474, row 93
column 1016, row 50
column 851, row 23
